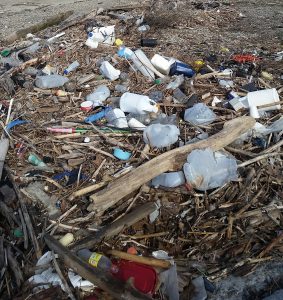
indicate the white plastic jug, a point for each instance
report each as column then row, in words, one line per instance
column 108, row 71
column 162, row 64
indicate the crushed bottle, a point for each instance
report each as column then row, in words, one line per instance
column 199, row 114
column 160, row 136
column 207, row 170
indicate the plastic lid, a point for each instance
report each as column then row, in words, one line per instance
column 119, row 42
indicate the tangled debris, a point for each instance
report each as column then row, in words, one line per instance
column 69, row 174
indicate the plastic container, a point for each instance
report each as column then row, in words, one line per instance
column 199, row 114
column 137, row 104
column 125, row 52
column 86, row 106
column 148, row 42
column 144, row 277
column 207, row 170
column 105, row 35
column 97, row 260
column 108, row 71
column 178, row 68
column 98, row 96
column 72, row 67
column 264, row 97
column 176, row 83
column 117, row 118
column 140, row 60
column 170, row 180
column 160, row 136
column 162, row 64
column 50, row 81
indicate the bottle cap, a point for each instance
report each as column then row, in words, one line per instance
column 119, row 42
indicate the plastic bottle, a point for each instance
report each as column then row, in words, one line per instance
column 199, row 114
column 170, row 180
column 117, row 118
column 50, row 81
column 139, row 59
column 97, row 260
column 120, row 88
column 179, row 68
column 99, row 95
column 162, row 64
column 125, row 52
column 72, row 67
column 108, row 71
column 137, row 104
column 206, row 169
column 160, row 136
column 145, row 119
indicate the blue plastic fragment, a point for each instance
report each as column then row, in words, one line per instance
column 122, row 155
column 97, row 116
column 15, row 123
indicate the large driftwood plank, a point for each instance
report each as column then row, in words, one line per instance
column 171, row 160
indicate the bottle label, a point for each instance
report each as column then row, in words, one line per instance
column 94, row 259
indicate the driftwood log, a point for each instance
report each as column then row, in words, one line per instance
column 116, row 227
column 171, row 160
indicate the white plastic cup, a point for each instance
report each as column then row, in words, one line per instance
column 264, row 97
column 162, row 64
column 137, row 104
column 86, row 105
column 135, row 124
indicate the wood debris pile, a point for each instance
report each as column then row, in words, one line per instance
column 105, row 202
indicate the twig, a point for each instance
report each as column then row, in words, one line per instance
column 64, row 281
column 258, row 158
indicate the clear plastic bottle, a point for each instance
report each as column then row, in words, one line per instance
column 99, row 95
column 97, row 260
column 170, row 180
column 199, row 114
column 50, row 81
column 139, row 59
column 72, row 67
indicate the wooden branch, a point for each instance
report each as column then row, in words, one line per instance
column 64, row 281
column 100, row 278
column 172, row 160
column 15, row 267
column 25, row 213
column 273, row 243
column 113, row 229
column 150, row 261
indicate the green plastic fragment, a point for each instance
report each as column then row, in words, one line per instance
column 5, row 52
column 18, row 233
